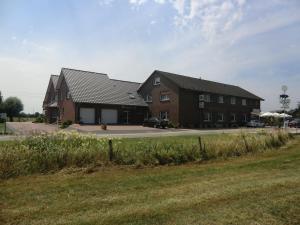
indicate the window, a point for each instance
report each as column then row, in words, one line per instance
column 148, row 98
column 221, row 99
column 207, row 116
column 156, row 81
column 201, row 105
column 220, row 117
column 201, row 97
column 163, row 115
column 207, row 98
column 164, row 98
column 244, row 102
column 232, row 117
column 232, row 100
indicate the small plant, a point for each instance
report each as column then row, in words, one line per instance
column 66, row 124
column 103, row 126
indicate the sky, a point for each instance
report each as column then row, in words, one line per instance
column 251, row 43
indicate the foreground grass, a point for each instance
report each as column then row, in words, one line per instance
column 263, row 188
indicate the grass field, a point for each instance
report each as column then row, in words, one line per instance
column 261, row 188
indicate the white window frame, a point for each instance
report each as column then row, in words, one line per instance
column 207, row 98
column 209, row 117
column 244, row 101
column 164, row 98
column 233, row 100
column 222, row 115
column 221, row 99
column 201, row 105
column 156, row 81
column 234, row 117
column 166, row 115
column 148, row 98
column 201, row 98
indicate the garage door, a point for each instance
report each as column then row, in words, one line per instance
column 87, row 115
column 109, row 116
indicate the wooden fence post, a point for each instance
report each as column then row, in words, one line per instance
column 202, row 149
column 246, row 143
column 110, row 150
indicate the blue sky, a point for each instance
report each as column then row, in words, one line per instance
column 254, row 44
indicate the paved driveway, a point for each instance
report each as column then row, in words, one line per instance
column 28, row 128
column 119, row 129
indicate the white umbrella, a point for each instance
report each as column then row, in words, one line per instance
column 276, row 114
column 266, row 114
column 284, row 115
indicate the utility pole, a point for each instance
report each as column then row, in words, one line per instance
column 284, row 101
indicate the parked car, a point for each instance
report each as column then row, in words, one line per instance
column 155, row 122
column 295, row 123
column 255, row 123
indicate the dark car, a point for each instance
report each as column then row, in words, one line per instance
column 155, row 122
column 294, row 123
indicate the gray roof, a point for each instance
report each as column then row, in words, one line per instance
column 98, row 88
column 54, row 79
column 197, row 84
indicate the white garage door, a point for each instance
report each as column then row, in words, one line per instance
column 109, row 116
column 87, row 115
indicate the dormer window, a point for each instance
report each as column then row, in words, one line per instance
column 68, row 95
column 148, row 98
column 221, row 99
column 156, row 81
column 244, row 102
column 232, row 100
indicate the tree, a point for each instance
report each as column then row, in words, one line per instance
column 12, row 106
column 1, row 103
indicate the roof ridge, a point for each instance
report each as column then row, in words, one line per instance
column 64, row 68
column 197, row 78
column 126, row 81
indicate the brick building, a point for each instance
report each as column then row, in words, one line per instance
column 94, row 98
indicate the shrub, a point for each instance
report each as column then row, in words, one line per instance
column 39, row 119
column 66, row 124
column 52, row 152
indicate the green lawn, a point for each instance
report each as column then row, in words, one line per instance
column 261, row 188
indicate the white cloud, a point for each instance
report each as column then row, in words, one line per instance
column 212, row 17
column 105, row 2
column 137, row 2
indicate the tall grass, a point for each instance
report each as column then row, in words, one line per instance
column 52, row 152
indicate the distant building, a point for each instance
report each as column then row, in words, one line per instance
column 94, row 98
